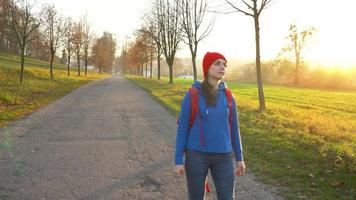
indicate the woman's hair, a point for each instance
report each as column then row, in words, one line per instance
column 208, row 91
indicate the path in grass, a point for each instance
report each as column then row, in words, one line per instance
column 106, row 140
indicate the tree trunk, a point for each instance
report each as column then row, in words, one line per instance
column 297, row 70
column 159, row 67
column 22, row 64
column 151, row 60
column 51, row 65
column 258, row 65
column 170, row 65
column 78, row 62
column 68, row 63
column 194, row 57
column 86, row 65
column 146, row 71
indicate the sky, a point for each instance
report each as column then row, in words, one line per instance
column 333, row 44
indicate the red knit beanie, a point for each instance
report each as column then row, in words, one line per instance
column 209, row 59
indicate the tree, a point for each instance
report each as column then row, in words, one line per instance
column 154, row 27
column 53, row 29
column 37, row 48
column 297, row 41
column 78, row 41
column 148, row 47
column 254, row 10
column 8, row 41
column 171, row 31
column 193, row 13
column 68, row 41
column 103, row 52
column 136, row 56
column 122, row 60
column 86, row 42
column 23, row 23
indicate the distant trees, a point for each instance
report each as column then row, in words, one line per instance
column 68, row 43
column 297, row 42
column 78, row 42
column 87, row 40
column 43, row 34
column 8, row 41
column 161, row 34
column 136, row 56
column 103, row 52
column 168, row 23
column 148, row 49
column 53, row 31
column 282, row 72
column 153, row 27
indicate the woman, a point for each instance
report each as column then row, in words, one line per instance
column 207, row 142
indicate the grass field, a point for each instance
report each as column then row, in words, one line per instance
column 304, row 142
column 37, row 90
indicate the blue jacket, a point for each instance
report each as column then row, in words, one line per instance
column 215, row 124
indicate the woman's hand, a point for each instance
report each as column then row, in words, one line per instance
column 179, row 170
column 240, row 168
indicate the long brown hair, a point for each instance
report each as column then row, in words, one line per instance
column 209, row 92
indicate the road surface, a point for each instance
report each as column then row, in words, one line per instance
column 106, row 140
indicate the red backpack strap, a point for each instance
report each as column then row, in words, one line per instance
column 229, row 100
column 194, row 99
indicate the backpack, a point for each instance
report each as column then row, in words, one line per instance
column 194, row 99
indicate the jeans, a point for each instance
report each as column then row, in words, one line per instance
column 221, row 168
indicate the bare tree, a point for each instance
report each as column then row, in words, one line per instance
column 23, row 23
column 78, row 41
column 87, row 40
column 171, row 31
column 297, row 43
column 254, row 9
column 53, row 29
column 68, row 41
column 193, row 14
column 154, row 26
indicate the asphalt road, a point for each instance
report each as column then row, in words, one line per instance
column 106, row 140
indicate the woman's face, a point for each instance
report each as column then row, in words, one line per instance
column 218, row 69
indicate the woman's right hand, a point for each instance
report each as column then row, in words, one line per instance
column 179, row 170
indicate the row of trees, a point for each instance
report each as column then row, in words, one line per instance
column 171, row 22
column 281, row 71
column 41, row 34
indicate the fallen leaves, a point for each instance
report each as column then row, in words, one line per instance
column 337, row 184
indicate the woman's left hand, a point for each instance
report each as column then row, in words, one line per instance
column 240, row 168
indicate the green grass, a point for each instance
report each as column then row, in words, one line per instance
column 37, row 89
column 304, row 143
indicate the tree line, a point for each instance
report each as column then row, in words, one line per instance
column 167, row 24
column 170, row 23
column 39, row 31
